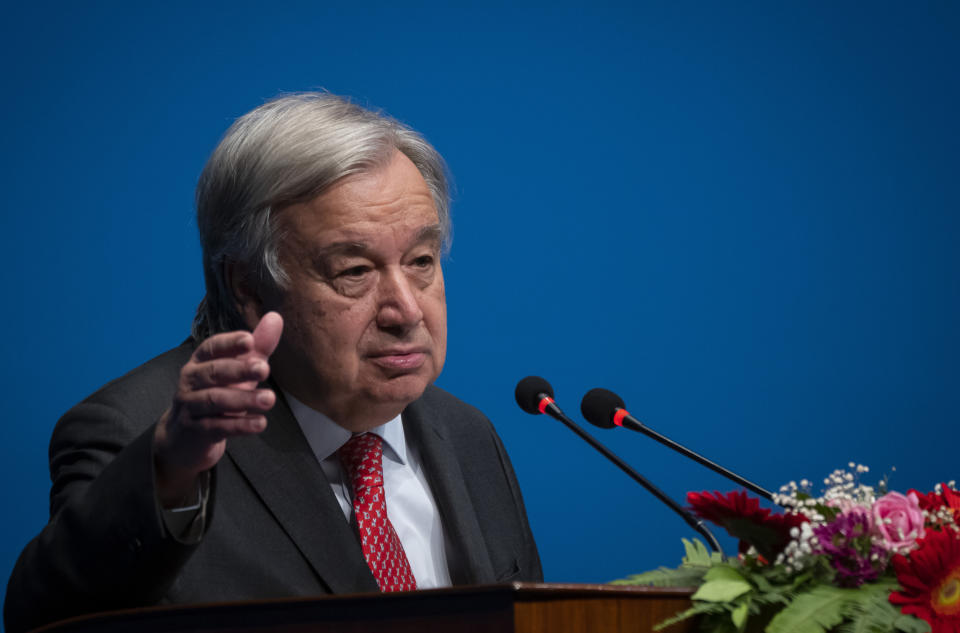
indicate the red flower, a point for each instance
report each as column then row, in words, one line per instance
column 930, row 581
column 933, row 501
column 743, row 518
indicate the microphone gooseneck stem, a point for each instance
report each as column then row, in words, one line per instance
column 694, row 522
column 634, row 424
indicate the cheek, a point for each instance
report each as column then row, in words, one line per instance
column 441, row 355
column 317, row 329
column 353, row 328
column 434, row 306
column 301, row 319
column 438, row 327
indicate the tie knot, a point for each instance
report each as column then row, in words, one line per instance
column 362, row 458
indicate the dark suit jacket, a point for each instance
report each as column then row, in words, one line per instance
column 274, row 527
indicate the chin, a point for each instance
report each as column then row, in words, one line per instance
column 402, row 390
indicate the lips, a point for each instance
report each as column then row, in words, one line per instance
column 403, row 359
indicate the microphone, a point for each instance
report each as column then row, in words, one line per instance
column 535, row 396
column 606, row 409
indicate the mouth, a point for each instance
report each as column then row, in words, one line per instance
column 403, row 359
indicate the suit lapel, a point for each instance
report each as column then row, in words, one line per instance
column 470, row 560
column 283, row 470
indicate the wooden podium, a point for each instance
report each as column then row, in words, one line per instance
column 516, row 607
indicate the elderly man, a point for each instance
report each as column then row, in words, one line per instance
column 294, row 445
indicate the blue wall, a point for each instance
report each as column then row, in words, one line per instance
column 741, row 216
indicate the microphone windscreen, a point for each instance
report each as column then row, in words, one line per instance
column 599, row 406
column 528, row 393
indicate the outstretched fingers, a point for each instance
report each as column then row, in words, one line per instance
column 217, row 398
column 216, row 429
column 237, row 359
column 225, row 345
column 218, row 402
column 224, row 372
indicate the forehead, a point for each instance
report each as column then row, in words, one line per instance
column 390, row 198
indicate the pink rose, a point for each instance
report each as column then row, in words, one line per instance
column 898, row 520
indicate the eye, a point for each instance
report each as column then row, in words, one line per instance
column 424, row 261
column 354, row 272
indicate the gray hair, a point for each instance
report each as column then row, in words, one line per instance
column 289, row 150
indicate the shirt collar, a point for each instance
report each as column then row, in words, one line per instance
column 326, row 436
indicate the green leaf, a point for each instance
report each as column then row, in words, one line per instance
column 773, row 586
column 911, row 624
column 772, row 598
column 868, row 622
column 813, row 612
column 701, row 608
column 761, row 583
column 723, row 590
column 739, row 615
column 724, row 572
column 870, row 610
column 799, row 580
column 696, row 553
column 696, row 562
column 666, row 577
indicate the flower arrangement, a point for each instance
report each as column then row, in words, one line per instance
column 855, row 559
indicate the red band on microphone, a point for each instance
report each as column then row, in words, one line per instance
column 544, row 403
column 619, row 416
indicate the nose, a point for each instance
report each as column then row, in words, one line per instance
column 399, row 307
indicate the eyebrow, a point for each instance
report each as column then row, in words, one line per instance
column 342, row 248
column 430, row 233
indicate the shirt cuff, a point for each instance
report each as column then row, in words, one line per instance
column 186, row 523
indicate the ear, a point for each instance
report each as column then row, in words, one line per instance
column 246, row 296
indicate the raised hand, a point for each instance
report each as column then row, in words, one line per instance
column 217, row 398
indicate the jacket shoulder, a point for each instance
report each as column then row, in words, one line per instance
column 159, row 374
column 436, row 400
column 123, row 408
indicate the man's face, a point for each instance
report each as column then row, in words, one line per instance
column 365, row 317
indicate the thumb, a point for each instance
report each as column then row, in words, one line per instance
column 267, row 334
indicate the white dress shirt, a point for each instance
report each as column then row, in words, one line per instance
column 411, row 507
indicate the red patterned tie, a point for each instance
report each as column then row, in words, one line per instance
column 362, row 457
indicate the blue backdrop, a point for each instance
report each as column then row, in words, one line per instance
column 741, row 216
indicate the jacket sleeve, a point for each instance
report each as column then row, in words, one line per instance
column 105, row 546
